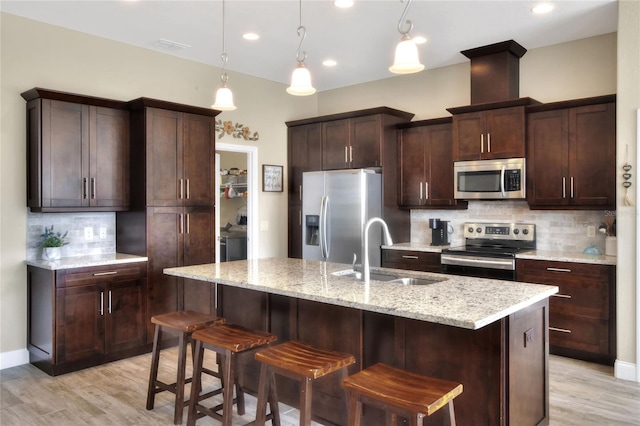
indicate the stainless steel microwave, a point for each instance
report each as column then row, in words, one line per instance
column 501, row 179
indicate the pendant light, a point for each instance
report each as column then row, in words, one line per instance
column 301, row 78
column 224, row 97
column 406, row 58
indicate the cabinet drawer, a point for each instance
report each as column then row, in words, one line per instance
column 411, row 260
column 100, row 274
column 579, row 333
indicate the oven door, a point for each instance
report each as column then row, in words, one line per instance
column 479, row 266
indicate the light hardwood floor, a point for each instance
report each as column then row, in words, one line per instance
column 581, row 393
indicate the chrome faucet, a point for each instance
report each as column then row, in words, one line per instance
column 365, row 245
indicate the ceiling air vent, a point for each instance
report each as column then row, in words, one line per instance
column 171, row 45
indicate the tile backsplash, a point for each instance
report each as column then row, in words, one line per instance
column 75, row 224
column 556, row 230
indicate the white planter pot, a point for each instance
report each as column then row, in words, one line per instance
column 51, row 253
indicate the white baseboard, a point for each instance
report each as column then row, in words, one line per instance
column 625, row 371
column 13, row 358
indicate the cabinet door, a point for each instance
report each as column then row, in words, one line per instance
column 80, row 316
column 124, row 325
column 547, row 158
column 199, row 248
column 335, row 144
column 504, row 137
column 304, row 154
column 109, row 159
column 411, row 166
column 592, row 144
column 199, row 168
column 439, row 166
column 295, row 231
column 65, row 154
column 164, row 157
column 468, row 129
column 364, row 147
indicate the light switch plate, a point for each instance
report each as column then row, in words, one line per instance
column 591, row 231
column 103, row 233
column 88, row 233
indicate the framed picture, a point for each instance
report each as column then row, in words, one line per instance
column 271, row 178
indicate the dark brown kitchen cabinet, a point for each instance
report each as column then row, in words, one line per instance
column 571, row 154
column 77, row 152
column 352, row 143
column 425, row 165
column 86, row 316
column 411, row 260
column 582, row 316
column 489, row 131
column 295, row 231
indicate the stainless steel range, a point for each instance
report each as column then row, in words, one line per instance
column 490, row 250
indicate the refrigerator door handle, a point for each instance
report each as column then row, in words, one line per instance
column 324, row 249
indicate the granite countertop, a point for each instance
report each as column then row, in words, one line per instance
column 86, row 261
column 464, row 302
column 557, row 256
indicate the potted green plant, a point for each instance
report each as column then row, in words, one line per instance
column 51, row 243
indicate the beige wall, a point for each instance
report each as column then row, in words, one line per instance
column 40, row 55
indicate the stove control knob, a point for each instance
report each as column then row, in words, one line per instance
column 525, row 231
column 470, row 229
column 479, row 230
column 516, row 231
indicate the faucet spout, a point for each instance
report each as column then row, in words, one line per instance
column 365, row 245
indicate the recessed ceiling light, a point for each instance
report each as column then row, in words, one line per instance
column 343, row 3
column 419, row 39
column 329, row 63
column 250, row 36
column 542, row 8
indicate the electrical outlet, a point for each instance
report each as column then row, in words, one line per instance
column 264, row 225
column 88, row 233
column 103, row 232
column 591, row 231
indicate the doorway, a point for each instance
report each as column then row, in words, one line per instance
column 240, row 211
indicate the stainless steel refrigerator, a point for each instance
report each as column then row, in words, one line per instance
column 335, row 207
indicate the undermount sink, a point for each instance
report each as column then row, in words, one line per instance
column 376, row 276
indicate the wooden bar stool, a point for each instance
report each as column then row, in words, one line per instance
column 300, row 362
column 228, row 341
column 399, row 393
column 185, row 323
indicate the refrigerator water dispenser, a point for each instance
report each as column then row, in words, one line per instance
column 312, row 222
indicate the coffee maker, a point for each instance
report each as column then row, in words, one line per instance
column 439, row 232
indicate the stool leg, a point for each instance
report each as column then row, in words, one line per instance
column 263, row 390
column 182, row 361
column 238, row 385
column 452, row 414
column 227, row 392
column 195, row 384
column 153, row 373
column 305, row 401
column 355, row 409
column 273, row 401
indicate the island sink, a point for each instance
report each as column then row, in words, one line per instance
column 377, row 276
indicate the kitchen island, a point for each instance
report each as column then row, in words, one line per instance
column 489, row 335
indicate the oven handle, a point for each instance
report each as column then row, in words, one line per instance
column 508, row 264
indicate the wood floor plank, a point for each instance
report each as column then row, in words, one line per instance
column 581, row 394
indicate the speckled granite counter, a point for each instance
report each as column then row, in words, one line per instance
column 86, row 261
column 558, row 256
column 464, row 302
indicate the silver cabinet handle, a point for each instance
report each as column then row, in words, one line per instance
column 571, row 186
column 558, row 270
column 188, row 222
column 562, row 296
column 101, row 303
column 93, row 188
column 421, row 190
column 482, row 143
column 181, row 190
column 109, row 305
column 351, row 154
column 564, row 187
column 85, row 188
column 561, row 330
column 488, row 142
column 188, row 188
column 345, row 154
column 300, row 217
column 426, row 190
column 181, row 223
column 300, row 191
column 99, row 274
column 406, row 256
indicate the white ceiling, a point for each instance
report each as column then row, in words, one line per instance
column 361, row 39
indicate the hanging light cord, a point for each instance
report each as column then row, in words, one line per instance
column 223, row 77
column 405, row 34
column 301, row 55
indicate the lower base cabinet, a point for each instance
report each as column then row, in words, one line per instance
column 582, row 316
column 411, row 260
column 83, row 317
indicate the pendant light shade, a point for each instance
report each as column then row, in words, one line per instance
column 224, row 97
column 406, row 60
column 301, row 82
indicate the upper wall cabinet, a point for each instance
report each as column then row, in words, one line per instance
column 571, row 154
column 77, row 152
column 304, row 154
column 352, row 143
column 489, row 131
column 179, row 153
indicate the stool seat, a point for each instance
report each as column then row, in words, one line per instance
column 303, row 359
column 186, row 321
column 233, row 337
